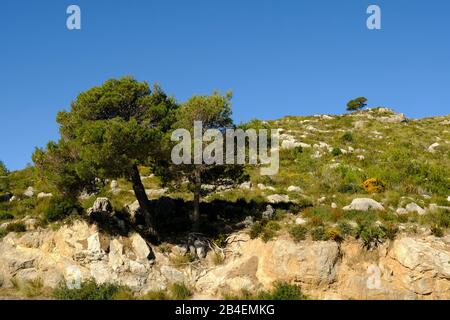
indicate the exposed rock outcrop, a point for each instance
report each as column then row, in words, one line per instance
column 364, row 204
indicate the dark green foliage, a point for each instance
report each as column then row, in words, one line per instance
column 6, row 216
column 155, row 295
column 347, row 137
column 296, row 152
column 88, row 290
column 16, row 227
column 3, row 170
column 348, row 188
column 256, row 230
column 437, row 231
column 371, row 235
column 179, row 291
column 60, row 208
column 283, row 291
column 214, row 112
column 266, row 229
column 357, row 104
column 345, row 228
column 298, row 233
column 270, row 231
column 318, row 234
column 390, row 230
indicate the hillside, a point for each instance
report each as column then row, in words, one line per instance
column 356, row 195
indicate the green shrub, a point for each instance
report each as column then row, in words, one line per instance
column 370, row 235
column 123, row 295
column 270, row 230
column 6, row 216
column 348, row 137
column 437, row 231
column 155, row 295
column 390, row 230
column 88, row 290
column 180, row 261
column 348, row 188
column 179, row 291
column 16, row 227
column 296, row 152
column 298, row 233
column 336, row 152
column 3, row 233
column 59, row 209
column 345, row 229
column 333, row 234
column 283, row 291
column 318, row 234
column 256, row 230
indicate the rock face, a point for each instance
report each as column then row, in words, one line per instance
column 312, row 264
column 261, row 264
column 77, row 253
column 422, row 256
column 364, row 204
column 101, row 205
column 407, row 268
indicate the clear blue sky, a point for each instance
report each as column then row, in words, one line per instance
column 279, row 57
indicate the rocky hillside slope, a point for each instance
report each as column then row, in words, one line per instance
column 359, row 210
column 407, row 268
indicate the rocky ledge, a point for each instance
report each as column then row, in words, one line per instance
column 407, row 268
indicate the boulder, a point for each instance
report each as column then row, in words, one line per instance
column 263, row 187
column 294, row 189
column 29, row 192
column 309, row 263
column 116, row 258
column 94, row 247
column 364, row 204
column 432, row 148
column 246, row 185
column 268, row 213
column 401, row 211
column 140, row 247
column 101, row 205
column 42, row 195
column 233, row 277
column 300, row 221
column 413, row 207
column 395, row 118
column 278, row 198
column 115, row 187
column 249, row 221
column 423, row 256
column 134, row 210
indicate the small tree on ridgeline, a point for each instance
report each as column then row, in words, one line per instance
column 109, row 131
column 357, row 104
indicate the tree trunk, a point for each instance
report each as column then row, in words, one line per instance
column 197, row 190
column 142, row 198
